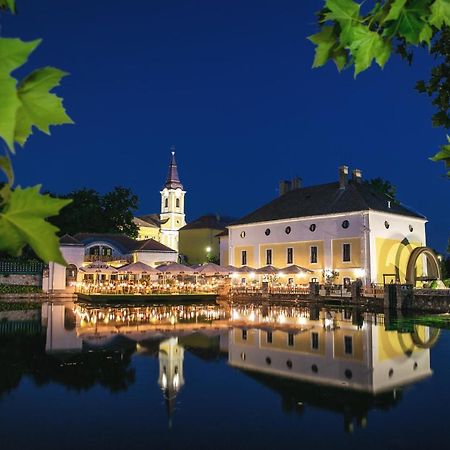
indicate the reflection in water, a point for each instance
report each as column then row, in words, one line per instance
column 334, row 359
column 171, row 380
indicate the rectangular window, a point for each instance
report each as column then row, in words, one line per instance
column 268, row 256
column 269, row 337
column 290, row 255
column 244, row 257
column 348, row 345
column 346, row 253
column 313, row 258
column 315, row 341
column 244, row 335
column 290, row 340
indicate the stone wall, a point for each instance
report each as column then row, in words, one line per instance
column 24, row 280
column 430, row 302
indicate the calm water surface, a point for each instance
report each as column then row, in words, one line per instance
column 194, row 377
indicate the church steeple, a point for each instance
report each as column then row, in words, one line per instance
column 173, row 179
column 172, row 206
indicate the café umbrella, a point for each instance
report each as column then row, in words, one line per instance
column 267, row 270
column 211, row 269
column 138, row 268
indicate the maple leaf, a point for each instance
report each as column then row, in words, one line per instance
column 395, row 10
column 440, row 13
column 443, row 155
column 324, row 40
column 367, row 45
column 22, row 221
column 39, row 107
column 410, row 22
column 13, row 54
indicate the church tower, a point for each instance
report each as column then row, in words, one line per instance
column 172, row 206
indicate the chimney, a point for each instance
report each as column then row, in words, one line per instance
column 343, row 177
column 296, row 183
column 284, row 187
column 357, row 175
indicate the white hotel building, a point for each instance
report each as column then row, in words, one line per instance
column 344, row 227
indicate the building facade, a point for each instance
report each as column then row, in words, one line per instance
column 199, row 241
column 115, row 250
column 341, row 231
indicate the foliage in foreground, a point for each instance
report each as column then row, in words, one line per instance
column 24, row 105
column 356, row 35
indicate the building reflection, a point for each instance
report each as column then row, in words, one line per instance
column 338, row 360
column 171, row 379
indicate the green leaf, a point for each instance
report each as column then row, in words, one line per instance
column 426, row 34
column 22, row 221
column 342, row 11
column 443, row 155
column 324, row 41
column 345, row 13
column 13, row 54
column 367, row 45
column 5, row 165
column 339, row 56
column 9, row 104
column 395, row 10
column 440, row 13
column 8, row 4
column 410, row 23
column 39, row 107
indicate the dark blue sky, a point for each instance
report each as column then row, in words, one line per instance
column 230, row 84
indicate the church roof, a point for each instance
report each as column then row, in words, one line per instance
column 173, row 180
column 149, row 220
column 210, row 221
column 327, row 199
column 123, row 243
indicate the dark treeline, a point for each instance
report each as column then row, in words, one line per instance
column 92, row 212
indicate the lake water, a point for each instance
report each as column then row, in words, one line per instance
column 214, row 377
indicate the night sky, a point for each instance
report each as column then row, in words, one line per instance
column 230, row 84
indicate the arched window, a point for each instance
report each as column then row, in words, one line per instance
column 166, row 203
column 177, row 203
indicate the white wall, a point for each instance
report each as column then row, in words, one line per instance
column 155, row 258
column 56, row 281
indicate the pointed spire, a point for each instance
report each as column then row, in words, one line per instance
column 173, row 180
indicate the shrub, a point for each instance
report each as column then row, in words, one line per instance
column 19, row 289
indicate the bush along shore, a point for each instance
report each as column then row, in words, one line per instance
column 19, row 289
